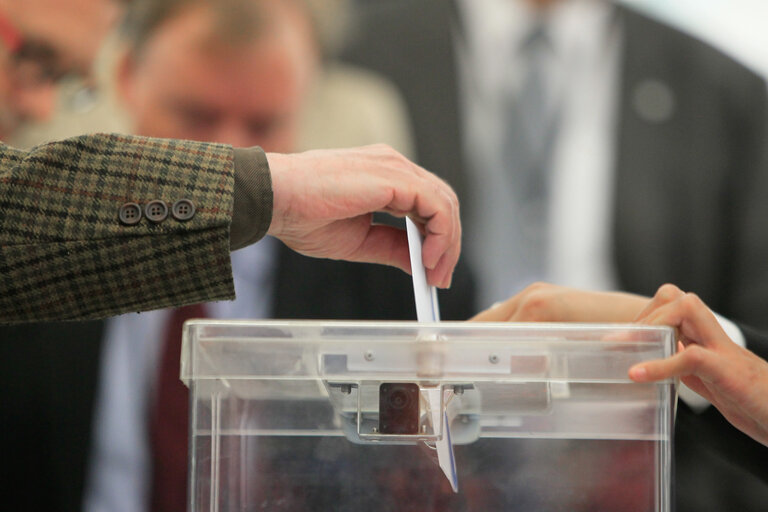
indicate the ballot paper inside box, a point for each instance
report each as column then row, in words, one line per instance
column 343, row 416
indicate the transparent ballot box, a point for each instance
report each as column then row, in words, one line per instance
column 400, row 416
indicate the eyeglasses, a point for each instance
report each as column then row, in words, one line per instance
column 33, row 63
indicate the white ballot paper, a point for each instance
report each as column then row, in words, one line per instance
column 427, row 310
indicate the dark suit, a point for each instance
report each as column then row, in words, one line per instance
column 49, row 372
column 48, row 378
column 691, row 193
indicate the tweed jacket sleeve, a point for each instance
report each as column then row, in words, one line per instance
column 65, row 252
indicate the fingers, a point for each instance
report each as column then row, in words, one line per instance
column 432, row 204
column 535, row 301
column 389, row 246
column 385, row 245
column 693, row 319
column 436, row 207
column 496, row 313
column 442, row 274
column 664, row 295
column 694, row 360
column 442, row 230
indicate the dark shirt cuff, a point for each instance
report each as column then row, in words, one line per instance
column 253, row 198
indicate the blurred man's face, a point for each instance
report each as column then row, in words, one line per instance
column 24, row 95
column 52, row 38
column 187, row 84
column 71, row 30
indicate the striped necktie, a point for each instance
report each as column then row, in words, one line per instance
column 530, row 137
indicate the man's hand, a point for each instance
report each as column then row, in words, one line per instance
column 732, row 378
column 543, row 302
column 324, row 201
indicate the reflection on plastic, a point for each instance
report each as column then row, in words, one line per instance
column 285, row 417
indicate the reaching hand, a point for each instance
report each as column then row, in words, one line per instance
column 732, row 378
column 324, row 200
column 543, row 302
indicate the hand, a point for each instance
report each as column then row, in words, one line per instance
column 732, row 378
column 543, row 302
column 324, row 200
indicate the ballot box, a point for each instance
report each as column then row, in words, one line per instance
column 402, row 416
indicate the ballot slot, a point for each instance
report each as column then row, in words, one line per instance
column 401, row 411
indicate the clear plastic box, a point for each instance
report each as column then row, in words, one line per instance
column 336, row 416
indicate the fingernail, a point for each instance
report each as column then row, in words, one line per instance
column 638, row 373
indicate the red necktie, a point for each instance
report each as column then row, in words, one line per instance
column 169, row 428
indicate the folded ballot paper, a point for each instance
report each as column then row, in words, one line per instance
column 427, row 310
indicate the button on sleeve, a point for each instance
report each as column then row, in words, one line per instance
column 156, row 211
column 129, row 214
column 183, row 210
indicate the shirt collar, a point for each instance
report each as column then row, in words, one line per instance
column 580, row 28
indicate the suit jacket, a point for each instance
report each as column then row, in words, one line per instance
column 49, row 372
column 65, row 254
column 48, row 379
column 691, row 194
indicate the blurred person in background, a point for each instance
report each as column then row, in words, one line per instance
column 91, row 103
column 72, row 245
column 593, row 147
column 242, row 72
column 44, row 40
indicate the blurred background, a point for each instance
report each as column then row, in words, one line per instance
column 736, row 26
column 648, row 167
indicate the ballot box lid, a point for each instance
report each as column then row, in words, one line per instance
column 244, row 349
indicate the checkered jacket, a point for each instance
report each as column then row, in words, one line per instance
column 64, row 252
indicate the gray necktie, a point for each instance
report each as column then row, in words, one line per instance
column 531, row 132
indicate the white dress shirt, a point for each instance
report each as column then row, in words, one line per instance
column 583, row 76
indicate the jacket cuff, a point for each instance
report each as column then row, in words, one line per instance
column 252, row 213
